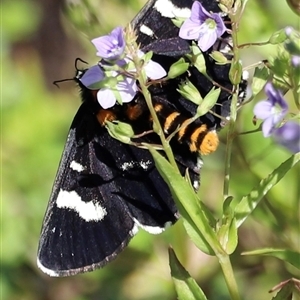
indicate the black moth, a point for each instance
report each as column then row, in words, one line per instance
column 105, row 190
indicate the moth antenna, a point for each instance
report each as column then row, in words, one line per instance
column 70, row 79
column 76, row 61
column 62, row 80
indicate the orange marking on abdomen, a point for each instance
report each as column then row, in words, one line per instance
column 169, row 120
column 209, row 143
column 133, row 112
column 104, row 115
column 182, row 129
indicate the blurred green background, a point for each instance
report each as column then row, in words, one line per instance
column 40, row 41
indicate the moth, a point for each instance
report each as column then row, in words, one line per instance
column 105, row 190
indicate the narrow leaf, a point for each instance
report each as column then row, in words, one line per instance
column 186, row 201
column 186, row 287
column 249, row 202
column 286, row 255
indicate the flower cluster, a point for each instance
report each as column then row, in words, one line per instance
column 202, row 26
column 122, row 88
column 272, row 111
column 114, row 85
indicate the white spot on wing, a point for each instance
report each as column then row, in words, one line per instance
column 145, row 164
column 245, row 75
column 167, row 9
column 89, row 211
column 151, row 229
column 127, row 165
column 196, row 185
column 134, row 230
column 146, row 30
column 76, row 166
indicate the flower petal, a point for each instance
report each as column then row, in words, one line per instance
column 288, row 136
column 198, row 13
column 202, row 26
column 127, row 89
column 295, row 61
column 154, row 70
column 268, row 126
column 93, row 75
column 106, row 98
column 189, row 30
column 206, row 38
column 263, row 109
column 110, row 46
column 221, row 28
column 275, row 96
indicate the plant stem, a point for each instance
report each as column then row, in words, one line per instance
column 226, row 266
column 159, row 129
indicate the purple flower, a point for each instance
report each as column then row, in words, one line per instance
column 110, row 47
column 296, row 61
column 202, row 26
column 152, row 69
column 126, row 89
column 288, row 136
column 272, row 110
column 92, row 76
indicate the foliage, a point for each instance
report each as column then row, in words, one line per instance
column 34, row 126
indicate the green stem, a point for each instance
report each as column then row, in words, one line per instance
column 226, row 266
column 158, row 129
column 233, row 107
column 224, row 260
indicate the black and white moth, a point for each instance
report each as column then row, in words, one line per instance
column 104, row 190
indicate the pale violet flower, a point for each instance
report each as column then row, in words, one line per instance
column 295, row 61
column 126, row 88
column 92, row 76
column 106, row 97
column 111, row 49
column 288, row 135
column 202, row 26
column 111, row 46
column 153, row 69
column 272, row 110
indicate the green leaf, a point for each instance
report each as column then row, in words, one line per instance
column 178, row 68
column 219, row 57
column 249, row 202
column 177, row 21
column 187, row 202
column 190, row 92
column 197, row 58
column 227, row 209
column 147, row 57
column 197, row 238
column 186, row 287
column 120, row 131
column 208, row 102
column 235, row 72
column 286, row 255
column 260, row 77
column 227, row 233
column 278, row 37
